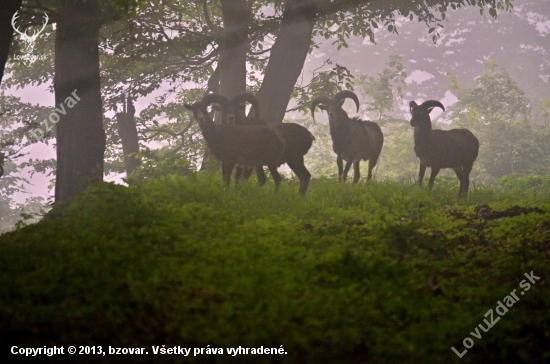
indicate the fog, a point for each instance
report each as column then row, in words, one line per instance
column 516, row 41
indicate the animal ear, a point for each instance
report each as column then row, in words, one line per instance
column 412, row 106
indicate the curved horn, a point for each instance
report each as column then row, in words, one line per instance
column 342, row 95
column 216, row 98
column 247, row 96
column 318, row 101
column 431, row 104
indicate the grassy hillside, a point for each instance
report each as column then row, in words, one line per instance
column 383, row 273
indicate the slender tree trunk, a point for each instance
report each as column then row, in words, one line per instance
column 8, row 8
column 208, row 162
column 213, row 84
column 80, row 134
column 287, row 58
column 127, row 130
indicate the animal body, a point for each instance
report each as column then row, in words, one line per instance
column 438, row 149
column 253, row 146
column 298, row 140
column 353, row 139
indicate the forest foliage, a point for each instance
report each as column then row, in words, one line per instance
column 139, row 58
column 383, row 273
column 493, row 107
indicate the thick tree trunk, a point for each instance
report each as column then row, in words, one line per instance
column 80, row 134
column 8, row 8
column 127, row 130
column 229, row 78
column 234, row 48
column 287, row 59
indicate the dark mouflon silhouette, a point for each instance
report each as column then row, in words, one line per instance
column 455, row 148
column 353, row 139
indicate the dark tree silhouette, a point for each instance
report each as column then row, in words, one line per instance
column 80, row 134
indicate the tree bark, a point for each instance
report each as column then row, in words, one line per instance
column 9, row 7
column 127, row 130
column 230, row 76
column 208, row 161
column 80, row 134
column 287, row 58
column 234, row 47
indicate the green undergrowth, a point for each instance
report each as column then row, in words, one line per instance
column 377, row 273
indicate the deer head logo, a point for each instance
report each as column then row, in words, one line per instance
column 28, row 39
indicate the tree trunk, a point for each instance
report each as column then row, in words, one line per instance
column 80, row 134
column 234, row 47
column 230, row 74
column 287, row 59
column 9, row 7
column 127, row 131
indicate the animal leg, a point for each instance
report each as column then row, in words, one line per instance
column 262, row 179
column 301, row 171
column 356, row 171
column 421, row 173
column 340, row 164
column 346, row 170
column 467, row 169
column 372, row 164
column 460, row 174
column 435, row 171
column 276, row 176
column 227, row 168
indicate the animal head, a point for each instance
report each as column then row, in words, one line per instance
column 28, row 39
column 421, row 113
column 200, row 111
column 334, row 106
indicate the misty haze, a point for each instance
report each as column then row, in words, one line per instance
column 290, row 181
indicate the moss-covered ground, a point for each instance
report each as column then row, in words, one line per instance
column 377, row 273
